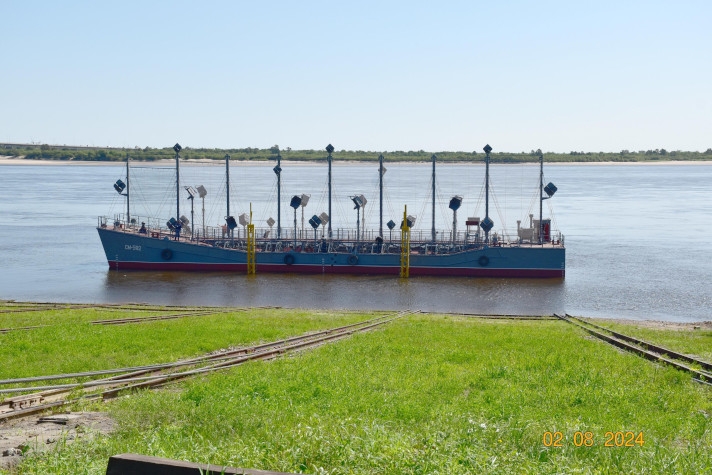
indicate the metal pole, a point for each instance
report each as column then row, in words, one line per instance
column 227, row 192
column 192, row 218
column 363, row 222
column 433, row 230
column 128, row 207
column 279, row 197
column 487, row 162
column 177, row 187
column 295, row 229
column 358, row 218
column 331, row 218
column 227, row 183
column 380, row 195
column 541, row 190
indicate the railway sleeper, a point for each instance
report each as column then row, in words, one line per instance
column 22, row 402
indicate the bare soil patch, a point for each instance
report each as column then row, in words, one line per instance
column 48, row 432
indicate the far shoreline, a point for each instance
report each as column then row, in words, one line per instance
column 10, row 160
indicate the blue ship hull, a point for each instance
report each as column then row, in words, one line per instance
column 127, row 250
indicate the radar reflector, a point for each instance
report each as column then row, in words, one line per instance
column 455, row 202
column 550, row 189
column 315, row 221
column 119, row 186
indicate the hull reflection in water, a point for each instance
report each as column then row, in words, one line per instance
column 430, row 294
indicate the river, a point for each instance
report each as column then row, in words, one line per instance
column 636, row 235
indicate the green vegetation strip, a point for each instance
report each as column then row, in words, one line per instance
column 107, row 154
column 425, row 394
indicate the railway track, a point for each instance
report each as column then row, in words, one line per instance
column 701, row 371
column 8, row 330
column 42, row 398
column 499, row 316
column 40, row 308
column 199, row 312
column 21, row 307
column 107, row 384
column 151, row 318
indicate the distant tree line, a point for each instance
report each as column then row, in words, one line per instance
column 98, row 154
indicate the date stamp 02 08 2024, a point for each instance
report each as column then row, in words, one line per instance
column 587, row 439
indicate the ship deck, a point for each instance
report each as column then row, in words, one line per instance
column 342, row 241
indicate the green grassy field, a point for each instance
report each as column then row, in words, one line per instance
column 425, row 394
column 68, row 342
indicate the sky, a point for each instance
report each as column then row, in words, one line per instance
column 368, row 75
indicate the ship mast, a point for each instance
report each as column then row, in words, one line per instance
column 177, row 149
column 487, row 223
column 487, row 161
column 227, row 182
column 541, row 194
column 381, row 172
column 549, row 189
column 329, row 149
column 433, row 158
column 278, row 171
column 128, row 208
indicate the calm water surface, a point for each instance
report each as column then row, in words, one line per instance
column 636, row 236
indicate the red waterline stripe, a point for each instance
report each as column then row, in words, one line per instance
column 329, row 269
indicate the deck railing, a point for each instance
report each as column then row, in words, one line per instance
column 307, row 240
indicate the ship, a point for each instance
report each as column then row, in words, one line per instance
column 537, row 250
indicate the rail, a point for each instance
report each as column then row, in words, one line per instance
column 646, row 349
column 153, row 376
column 193, row 312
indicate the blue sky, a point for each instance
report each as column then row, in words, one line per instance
column 380, row 76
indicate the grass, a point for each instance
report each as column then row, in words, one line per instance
column 70, row 343
column 66, row 316
column 697, row 342
column 426, row 394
